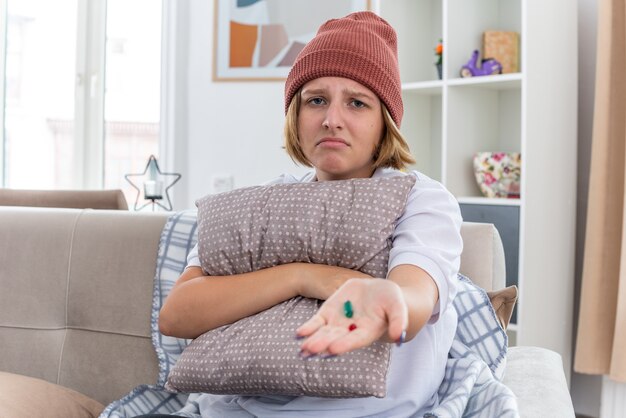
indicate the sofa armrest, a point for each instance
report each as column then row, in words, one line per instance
column 536, row 377
column 482, row 259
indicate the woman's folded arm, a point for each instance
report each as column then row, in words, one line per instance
column 199, row 303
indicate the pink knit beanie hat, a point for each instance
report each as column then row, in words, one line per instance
column 361, row 46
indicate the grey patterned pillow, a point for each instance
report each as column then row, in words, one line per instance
column 345, row 223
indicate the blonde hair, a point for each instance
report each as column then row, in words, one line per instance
column 393, row 150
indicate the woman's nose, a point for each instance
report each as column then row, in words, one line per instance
column 334, row 116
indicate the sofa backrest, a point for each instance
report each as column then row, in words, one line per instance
column 78, row 199
column 76, row 297
column 76, row 294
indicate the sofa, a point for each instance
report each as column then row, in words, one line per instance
column 75, row 310
column 78, row 199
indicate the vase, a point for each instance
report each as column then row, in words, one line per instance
column 498, row 174
column 439, row 68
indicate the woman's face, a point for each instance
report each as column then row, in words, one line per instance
column 340, row 125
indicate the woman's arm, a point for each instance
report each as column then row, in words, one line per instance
column 393, row 310
column 420, row 294
column 199, row 303
column 423, row 264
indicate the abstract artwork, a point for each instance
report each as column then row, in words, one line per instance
column 260, row 39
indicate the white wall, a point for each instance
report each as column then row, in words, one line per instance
column 233, row 128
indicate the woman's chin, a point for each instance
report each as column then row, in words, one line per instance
column 332, row 166
column 341, row 174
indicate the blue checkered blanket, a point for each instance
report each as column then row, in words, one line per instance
column 471, row 387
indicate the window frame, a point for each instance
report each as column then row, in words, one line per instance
column 89, row 94
column 89, row 90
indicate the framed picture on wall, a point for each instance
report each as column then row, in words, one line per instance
column 259, row 39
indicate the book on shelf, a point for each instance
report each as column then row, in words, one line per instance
column 504, row 47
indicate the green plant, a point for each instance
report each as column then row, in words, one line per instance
column 439, row 52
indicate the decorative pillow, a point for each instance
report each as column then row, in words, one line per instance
column 503, row 302
column 479, row 332
column 27, row 397
column 345, row 223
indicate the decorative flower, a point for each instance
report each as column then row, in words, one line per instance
column 439, row 52
column 489, row 178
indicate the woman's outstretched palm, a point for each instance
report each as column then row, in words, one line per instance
column 379, row 310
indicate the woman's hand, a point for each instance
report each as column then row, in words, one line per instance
column 379, row 310
column 319, row 281
column 199, row 303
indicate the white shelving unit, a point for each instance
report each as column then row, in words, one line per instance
column 532, row 111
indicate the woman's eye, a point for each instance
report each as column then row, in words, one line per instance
column 358, row 103
column 316, row 101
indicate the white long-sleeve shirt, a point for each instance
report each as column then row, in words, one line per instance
column 427, row 235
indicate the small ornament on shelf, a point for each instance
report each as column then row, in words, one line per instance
column 498, row 174
column 487, row 66
column 439, row 61
column 504, row 47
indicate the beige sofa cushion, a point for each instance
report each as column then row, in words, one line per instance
column 76, row 297
column 536, row 377
column 27, row 397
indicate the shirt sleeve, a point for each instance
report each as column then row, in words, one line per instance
column 193, row 259
column 428, row 236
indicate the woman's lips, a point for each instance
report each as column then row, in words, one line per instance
column 332, row 143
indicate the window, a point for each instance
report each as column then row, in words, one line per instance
column 132, row 100
column 39, row 94
column 82, row 97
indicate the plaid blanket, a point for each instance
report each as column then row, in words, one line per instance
column 476, row 362
column 471, row 387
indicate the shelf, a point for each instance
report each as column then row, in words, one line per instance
column 496, row 82
column 471, row 200
column 467, row 21
column 423, row 113
column 428, row 88
column 423, row 19
column 479, row 120
column 446, row 122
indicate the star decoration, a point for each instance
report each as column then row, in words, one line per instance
column 156, row 185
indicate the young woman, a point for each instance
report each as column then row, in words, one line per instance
column 343, row 108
